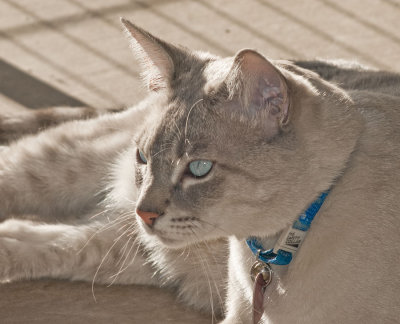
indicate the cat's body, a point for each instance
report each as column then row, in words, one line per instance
column 347, row 269
column 276, row 136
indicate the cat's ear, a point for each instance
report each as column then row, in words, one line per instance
column 259, row 88
column 156, row 56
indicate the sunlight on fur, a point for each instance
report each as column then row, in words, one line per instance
column 113, row 199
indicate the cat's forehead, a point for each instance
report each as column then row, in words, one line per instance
column 185, row 128
column 198, row 75
column 189, row 122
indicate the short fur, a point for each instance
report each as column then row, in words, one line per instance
column 278, row 132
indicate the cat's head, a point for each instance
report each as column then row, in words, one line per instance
column 218, row 156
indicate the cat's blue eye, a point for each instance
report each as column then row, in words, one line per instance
column 141, row 157
column 200, row 168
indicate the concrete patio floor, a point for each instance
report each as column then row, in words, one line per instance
column 73, row 53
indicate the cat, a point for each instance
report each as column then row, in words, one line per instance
column 166, row 193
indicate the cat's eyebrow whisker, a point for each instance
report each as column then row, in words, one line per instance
column 171, row 142
column 160, row 151
column 187, row 117
column 179, row 131
column 190, row 144
column 167, row 144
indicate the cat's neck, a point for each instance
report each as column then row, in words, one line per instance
column 325, row 130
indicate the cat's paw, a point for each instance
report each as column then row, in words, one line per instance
column 19, row 256
column 6, row 259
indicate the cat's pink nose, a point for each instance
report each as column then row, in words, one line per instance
column 148, row 217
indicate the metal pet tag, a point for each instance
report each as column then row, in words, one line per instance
column 261, row 274
column 262, row 268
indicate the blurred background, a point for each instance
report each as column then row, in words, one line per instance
column 73, row 53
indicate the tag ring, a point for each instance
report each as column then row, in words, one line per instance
column 261, row 268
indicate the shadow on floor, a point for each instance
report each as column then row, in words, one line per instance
column 30, row 92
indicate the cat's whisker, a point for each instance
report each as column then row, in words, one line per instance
column 124, row 248
column 103, row 260
column 128, row 230
column 221, row 277
column 131, row 202
column 123, row 268
column 127, row 213
column 167, row 144
column 187, row 118
column 170, row 143
column 122, row 228
column 184, row 251
column 160, row 151
column 123, row 259
column 213, row 226
column 98, row 214
column 116, row 221
column 188, row 254
column 103, row 228
column 220, row 299
column 179, row 131
column 201, row 261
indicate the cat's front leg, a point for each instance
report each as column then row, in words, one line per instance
column 103, row 252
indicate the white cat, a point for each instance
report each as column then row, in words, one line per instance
column 223, row 148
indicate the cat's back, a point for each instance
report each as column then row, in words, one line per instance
column 354, row 77
column 376, row 95
column 364, row 202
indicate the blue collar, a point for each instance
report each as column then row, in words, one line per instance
column 290, row 240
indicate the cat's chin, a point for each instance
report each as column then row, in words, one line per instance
column 172, row 243
column 167, row 242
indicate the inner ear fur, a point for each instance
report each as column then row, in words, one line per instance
column 157, row 58
column 260, row 87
